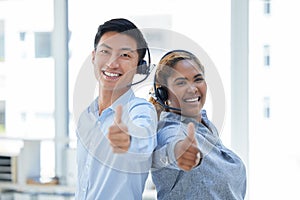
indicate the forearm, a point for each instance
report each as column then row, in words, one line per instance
column 165, row 156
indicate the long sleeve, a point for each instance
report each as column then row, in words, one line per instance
column 167, row 138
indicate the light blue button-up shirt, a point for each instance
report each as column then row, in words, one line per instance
column 103, row 174
column 221, row 174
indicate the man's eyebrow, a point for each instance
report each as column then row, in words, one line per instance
column 105, row 45
column 127, row 49
column 122, row 49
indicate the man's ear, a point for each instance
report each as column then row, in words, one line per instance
column 93, row 56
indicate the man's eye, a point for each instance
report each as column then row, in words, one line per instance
column 125, row 55
column 103, row 51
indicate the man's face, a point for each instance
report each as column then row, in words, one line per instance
column 115, row 60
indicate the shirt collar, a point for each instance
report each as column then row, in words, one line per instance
column 170, row 115
column 122, row 100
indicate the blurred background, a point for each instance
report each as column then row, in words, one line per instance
column 44, row 45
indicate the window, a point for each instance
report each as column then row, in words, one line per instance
column 2, row 43
column 27, row 83
column 2, row 116
column 42, row 43
column 267, row 55
column 273, row 104
column 266, row 107
column 267, row 7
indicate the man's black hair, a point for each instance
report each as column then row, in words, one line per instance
column 126, row 27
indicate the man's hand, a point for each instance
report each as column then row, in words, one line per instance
column 118, row 133
column 186, row 151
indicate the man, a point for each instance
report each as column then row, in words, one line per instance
column 117, row 132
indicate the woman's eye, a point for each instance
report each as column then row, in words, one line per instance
column 198, row 80
column 179, row 83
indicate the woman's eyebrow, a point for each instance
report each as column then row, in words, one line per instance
column 180, row 79
column 183, row 78
column 196, row 76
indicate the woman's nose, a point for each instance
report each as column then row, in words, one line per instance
column 192, row 88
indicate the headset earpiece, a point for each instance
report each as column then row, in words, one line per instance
column 142, row 68
column 162, row 94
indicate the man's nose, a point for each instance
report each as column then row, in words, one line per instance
column 112, row 62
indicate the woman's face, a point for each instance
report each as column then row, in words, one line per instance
column 187, row 88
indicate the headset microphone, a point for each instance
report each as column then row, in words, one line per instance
column 168, row 107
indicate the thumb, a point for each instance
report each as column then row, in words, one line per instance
column 118, row 114
column 191, row 132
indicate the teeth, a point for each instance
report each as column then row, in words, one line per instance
column 192, row 100
column 111, row 74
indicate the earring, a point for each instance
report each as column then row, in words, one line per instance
column 168, row 102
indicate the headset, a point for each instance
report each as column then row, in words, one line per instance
column 161, row 96
column 161, row 92
column 143, row 68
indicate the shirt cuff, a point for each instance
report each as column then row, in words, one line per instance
column 171, row 152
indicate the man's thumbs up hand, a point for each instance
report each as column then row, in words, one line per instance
column 186, row 151
column 118, row 133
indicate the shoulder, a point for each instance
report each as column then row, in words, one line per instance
column 169, row 120
column 89, row 111
column 169, row 124
column 169, row 127
column 210, row 124
column 140, row 103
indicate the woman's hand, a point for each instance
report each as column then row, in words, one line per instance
column 187, row 152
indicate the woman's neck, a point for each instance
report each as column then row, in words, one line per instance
column 198, row 118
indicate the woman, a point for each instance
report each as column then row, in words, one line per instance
column 190, row 162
